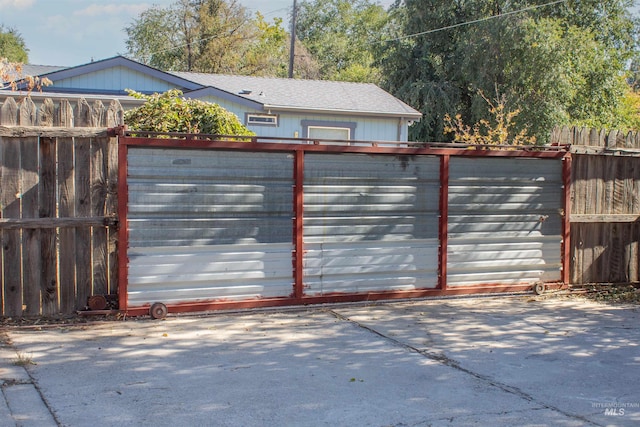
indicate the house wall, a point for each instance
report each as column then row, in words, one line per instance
column 290, row 125
column 114, row 80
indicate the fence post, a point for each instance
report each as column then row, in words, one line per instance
column 444, row 221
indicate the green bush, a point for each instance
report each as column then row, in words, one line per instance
column 170, row 112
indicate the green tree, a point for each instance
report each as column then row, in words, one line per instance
column 340, row 35
column 268, row 52
column 170, row 112
column 12, row 46
column 153, row 39
column 557, row 64
column 225, row 31
column 629, row 110
column 564, row 74
column 214, row 36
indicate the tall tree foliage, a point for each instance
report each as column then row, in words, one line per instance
column 557, row 64
column 216, row 36
column 13, row 46
column 223, row 26
column 339, row 34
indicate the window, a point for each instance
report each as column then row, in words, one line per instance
column 323, row 132
column 261, row 119
column 319, row 129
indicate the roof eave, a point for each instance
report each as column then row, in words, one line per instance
column 408, row 115
column 125, row 62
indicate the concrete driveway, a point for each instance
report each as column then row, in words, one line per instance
column 502, row 361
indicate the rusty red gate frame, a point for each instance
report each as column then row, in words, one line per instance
column 298, row 147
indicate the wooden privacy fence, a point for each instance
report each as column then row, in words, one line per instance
column 58, row 205
column 605, row 204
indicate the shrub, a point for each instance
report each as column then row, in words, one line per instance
column 170, row 112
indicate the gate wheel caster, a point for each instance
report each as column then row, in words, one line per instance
column 539, row 288
column 158, row 310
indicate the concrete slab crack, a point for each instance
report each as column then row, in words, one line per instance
column 443, row 359
column 21, row 392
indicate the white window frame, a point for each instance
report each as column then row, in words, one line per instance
column 272, row 119
column 310, row 128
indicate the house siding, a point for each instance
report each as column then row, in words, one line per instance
column 232, row 107
column 366, row 129
column 290, row 124
column 115, row 80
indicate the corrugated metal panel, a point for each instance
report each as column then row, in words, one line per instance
column 371, row 223
column 505, row 221
column 208, row 225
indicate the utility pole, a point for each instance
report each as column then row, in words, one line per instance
column 292, row 49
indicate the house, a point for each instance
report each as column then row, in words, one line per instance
column 271, row 107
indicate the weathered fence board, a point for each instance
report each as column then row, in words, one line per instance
column 9, row 113
column 57, row 204
column 26, row 112
column 11, row 244
column 605, row 210
column 98, row 182
column 596, row 141
column 111, row 207
column 83, row 209
column 31, row 260
column 67, row 236
column 48, row 238
column 54, row 233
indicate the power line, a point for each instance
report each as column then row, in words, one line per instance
column 475, row 21
column 275, row 11
column 179, row 46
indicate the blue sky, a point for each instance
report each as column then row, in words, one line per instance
column 73, row 32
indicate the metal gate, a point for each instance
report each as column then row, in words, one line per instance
column 222, row 224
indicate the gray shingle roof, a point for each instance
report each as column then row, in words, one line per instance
column 39, row 70
column 271, row 93
column 278, row 93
